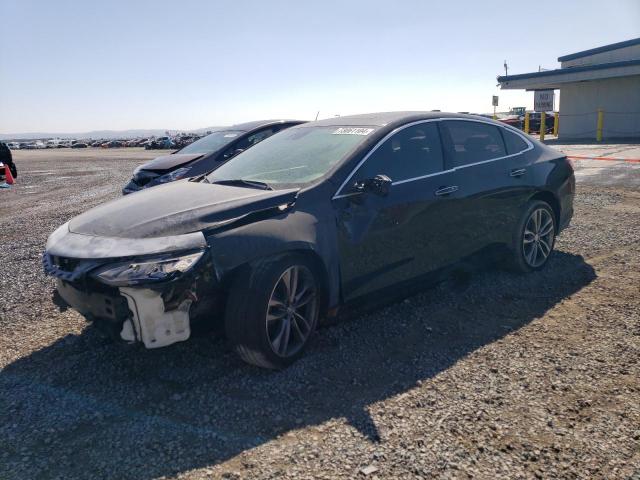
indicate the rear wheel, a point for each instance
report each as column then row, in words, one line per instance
column 534, row 238
column 273, row 310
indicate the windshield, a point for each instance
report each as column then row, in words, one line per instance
column 212, row 142
column 294, row 157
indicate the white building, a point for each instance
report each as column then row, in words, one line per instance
column 606, row 78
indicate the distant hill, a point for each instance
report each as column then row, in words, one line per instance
column 98, row 134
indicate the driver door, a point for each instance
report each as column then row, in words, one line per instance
column 384, row 240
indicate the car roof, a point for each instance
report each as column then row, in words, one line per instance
column 388, row 118
column 249, row 126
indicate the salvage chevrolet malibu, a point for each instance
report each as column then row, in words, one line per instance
column 204, row 155
column 308, row 220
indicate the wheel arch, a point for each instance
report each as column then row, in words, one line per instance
column 552, row 200
column 306, row 251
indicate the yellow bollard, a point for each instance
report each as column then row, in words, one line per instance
column 526, row 122
column 542, row 125
column 556, row 121
column 599, row 127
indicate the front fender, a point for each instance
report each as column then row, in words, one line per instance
column 294, row 230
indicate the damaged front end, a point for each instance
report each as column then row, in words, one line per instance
column 155, row 299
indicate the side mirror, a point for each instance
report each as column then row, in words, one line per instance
column 378, row 185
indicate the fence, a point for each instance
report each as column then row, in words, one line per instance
column 604, row 123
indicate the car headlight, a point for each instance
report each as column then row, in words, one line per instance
column 147, row 270
column 172, row 176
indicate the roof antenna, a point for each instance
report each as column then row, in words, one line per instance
column 506, row 69
column 317, row 115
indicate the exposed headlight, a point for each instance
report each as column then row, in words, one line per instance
column 148, row 270
column 172, row 176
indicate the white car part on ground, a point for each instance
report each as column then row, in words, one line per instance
column 150, row 323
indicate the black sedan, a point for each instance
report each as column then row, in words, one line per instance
column 318, row 216
column 205, row 154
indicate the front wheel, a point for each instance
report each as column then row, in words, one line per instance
column 534, row 238
column 273, row 310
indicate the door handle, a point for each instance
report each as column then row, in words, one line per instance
column 517, row 172
column 446, row 190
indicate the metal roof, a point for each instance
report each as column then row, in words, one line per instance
column 604, row 48
column 249, row 126
column 568, row 70
column 384, row 118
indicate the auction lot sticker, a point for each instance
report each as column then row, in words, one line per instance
column 353, row 131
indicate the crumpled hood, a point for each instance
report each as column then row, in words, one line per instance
column 176, row 208
column 167, row 162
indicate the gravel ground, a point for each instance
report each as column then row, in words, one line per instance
column 502, row 376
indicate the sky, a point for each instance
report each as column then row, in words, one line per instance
column 76, row 66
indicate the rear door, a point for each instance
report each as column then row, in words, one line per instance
column 390, row 239
column 493, row 178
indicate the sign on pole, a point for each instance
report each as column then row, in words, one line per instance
column 495, row 101
column 543, row 100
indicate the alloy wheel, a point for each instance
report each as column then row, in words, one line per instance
column 537, row 240
column 291, row 314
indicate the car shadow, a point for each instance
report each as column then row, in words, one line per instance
column 87, row 404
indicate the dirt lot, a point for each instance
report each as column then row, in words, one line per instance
column 503, row 376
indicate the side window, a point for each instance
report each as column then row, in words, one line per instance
column 282, row 126
column 254, row 138
column 472, row 142
column 412, row 152
column 513, row 141
column 247, row 142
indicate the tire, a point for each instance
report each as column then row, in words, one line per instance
column 530, row 248
column 261, row 310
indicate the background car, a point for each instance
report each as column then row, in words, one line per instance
column 205, row 154
column 79, row 145
column 322, row 214
column 113, row 144
column 36, row 145
column 160, row 143
column 515, row 121
column 184, row 140
column 535, row 119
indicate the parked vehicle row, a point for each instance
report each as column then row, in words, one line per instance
column 165, row 142
column 26, row 145
column 311, row 219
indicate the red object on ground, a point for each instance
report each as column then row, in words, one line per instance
column 628, row 160
column 8, row 177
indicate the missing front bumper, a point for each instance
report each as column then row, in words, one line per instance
column 150, row 323
column 131, row 314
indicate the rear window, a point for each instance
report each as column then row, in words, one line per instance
column 472, row 142
column 514, row 142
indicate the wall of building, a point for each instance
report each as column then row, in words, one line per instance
column 618, row 97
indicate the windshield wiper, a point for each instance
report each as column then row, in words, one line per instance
column 240, row 182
